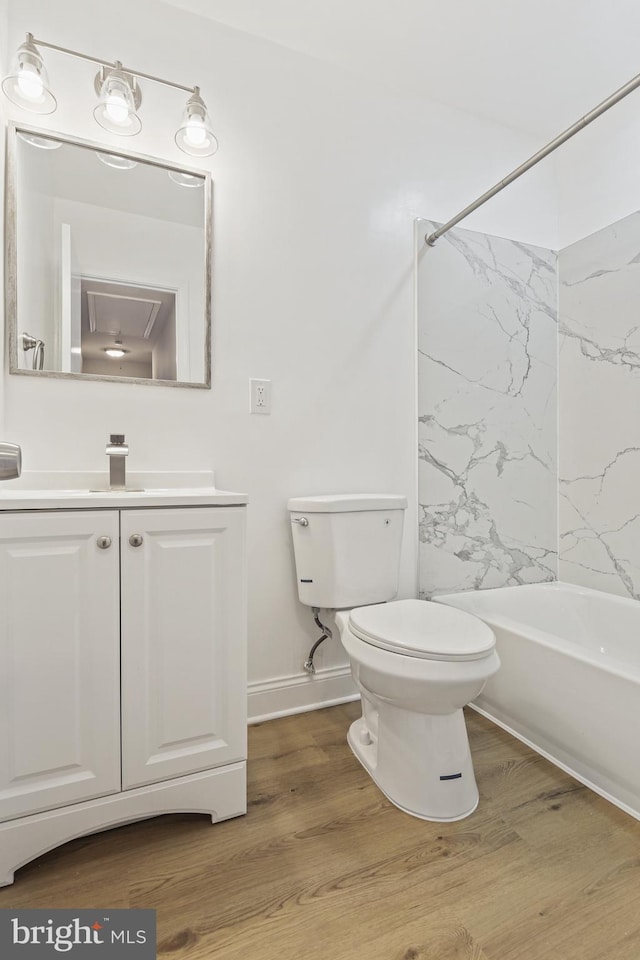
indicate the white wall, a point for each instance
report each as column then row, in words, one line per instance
column 4, row 66
column 316, row 187
column 598, row 179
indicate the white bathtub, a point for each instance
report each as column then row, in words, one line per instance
column 569, row 681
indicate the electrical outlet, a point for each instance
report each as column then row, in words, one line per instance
column 260, row 396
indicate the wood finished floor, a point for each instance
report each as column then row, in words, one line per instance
column 323, row 867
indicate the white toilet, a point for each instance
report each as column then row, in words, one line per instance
column 415, row 663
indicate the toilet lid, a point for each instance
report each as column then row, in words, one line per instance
column 419, row 628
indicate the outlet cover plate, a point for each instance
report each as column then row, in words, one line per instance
column 260, row 396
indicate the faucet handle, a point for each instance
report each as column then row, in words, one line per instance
column 116, row 446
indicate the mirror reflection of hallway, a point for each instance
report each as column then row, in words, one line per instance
column 126, row 330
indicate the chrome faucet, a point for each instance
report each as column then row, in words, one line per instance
column 117, row 450
column 10, row 461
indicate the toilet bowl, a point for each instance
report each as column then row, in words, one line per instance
column 416, row 669
column 415, row 663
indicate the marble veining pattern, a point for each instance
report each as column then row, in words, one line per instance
column 487, row 339
column 598, row 415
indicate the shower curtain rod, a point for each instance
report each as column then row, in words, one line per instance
column 629, row 87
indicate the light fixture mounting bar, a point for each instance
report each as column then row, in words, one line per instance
column 112, row 65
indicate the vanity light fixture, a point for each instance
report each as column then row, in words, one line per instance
column 120, row 96
column 194, row 135
column 28, row 84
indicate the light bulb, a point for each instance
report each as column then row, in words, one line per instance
column 30, row 83
column 117, row 109
column 195, row 132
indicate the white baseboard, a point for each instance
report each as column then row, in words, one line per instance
column 299, row 693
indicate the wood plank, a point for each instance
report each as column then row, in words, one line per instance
column 324, row 866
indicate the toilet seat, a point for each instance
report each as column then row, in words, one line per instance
column 419, row 628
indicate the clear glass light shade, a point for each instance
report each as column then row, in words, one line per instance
column 116, row 111
column 118, row 163
column 28, row 84
column 42, row 143
column 185, row 179
column 194, row 135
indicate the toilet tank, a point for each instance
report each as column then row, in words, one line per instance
column 347, row 548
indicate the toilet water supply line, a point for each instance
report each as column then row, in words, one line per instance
column 308, row 664
column 629, row 87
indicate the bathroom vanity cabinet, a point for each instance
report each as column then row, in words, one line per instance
column 122, row 667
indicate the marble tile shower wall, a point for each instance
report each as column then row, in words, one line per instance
column 487, row 373
column 599, row 508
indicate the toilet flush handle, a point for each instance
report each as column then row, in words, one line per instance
column 301, row 520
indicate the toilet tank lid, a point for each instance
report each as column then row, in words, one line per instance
column 347, row 502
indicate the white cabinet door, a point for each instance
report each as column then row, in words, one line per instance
column 183, row 642
column 59, row 660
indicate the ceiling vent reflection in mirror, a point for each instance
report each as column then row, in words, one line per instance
column 119, row 96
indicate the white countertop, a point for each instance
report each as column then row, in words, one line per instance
column 88, row 491
column 117, row 499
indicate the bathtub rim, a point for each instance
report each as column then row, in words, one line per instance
column 623, row 669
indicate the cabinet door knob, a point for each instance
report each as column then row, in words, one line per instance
column 135, row 539
column 104, row 542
